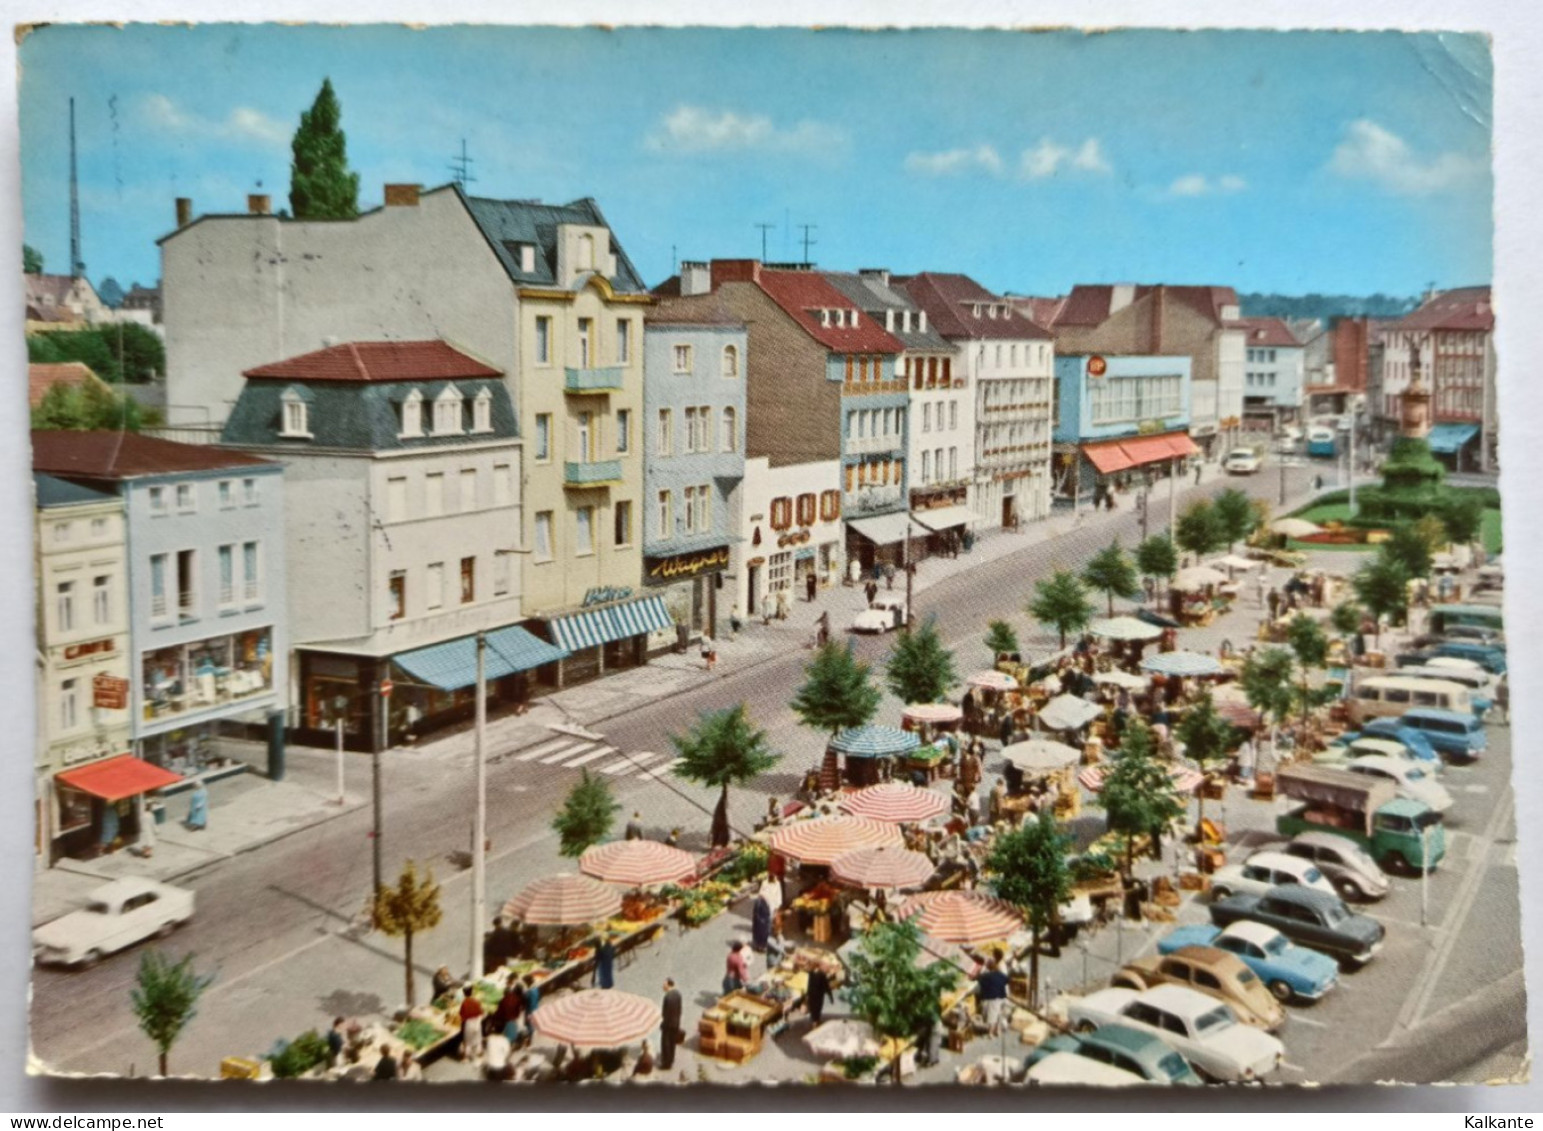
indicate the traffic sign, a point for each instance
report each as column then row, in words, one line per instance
column 385, row 688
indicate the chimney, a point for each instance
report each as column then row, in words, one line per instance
column 695, row 277
column 1121, row 295
column 735, row 271
column 1159, row 309
column 184, row 211
column 402, row 196
column 879, row 273
column 257, row 204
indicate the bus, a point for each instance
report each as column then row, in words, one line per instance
column 1322, row 442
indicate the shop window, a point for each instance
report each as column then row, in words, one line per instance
column 396, row 594
column 830, row 505
column 806, row 509
column 74, row 809
column 781, row 513
column 187, row 583
column 434, row 586
column 218, row 670
column 468, row 580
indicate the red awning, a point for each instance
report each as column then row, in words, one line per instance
column 1181, row 445
column 1107, row 457
column 117, row 778
column 1147, row 449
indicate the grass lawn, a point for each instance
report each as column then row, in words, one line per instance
column 1339, row 512
column 1325, row 512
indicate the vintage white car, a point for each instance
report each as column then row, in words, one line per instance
column 117, row 915
column 1409, row 779
column 1241, row 461
column 1264, row 870
column 1203, row 1030
column 887, row 612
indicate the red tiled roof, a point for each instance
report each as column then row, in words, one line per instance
column 949, row 301
column 1039, row 310
column 1466, row 308
column 803, row 294
column 1266, row 332
column 42, row 376
column 126, row 455
column 378, row 361
column 1088, row 304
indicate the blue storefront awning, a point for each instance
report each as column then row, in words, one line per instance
column 601, row 626
column 1448, row 439
column 452, row 665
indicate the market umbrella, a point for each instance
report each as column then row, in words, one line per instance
column 596, row 1019
column 993, row 681
column 1233, row 561
column 637, row 863
column 824, row 840
column 1198, row 577
column 896, row 802
column 932, row 713
column 1041, row 756
column 841, row 1039
column 962, row 916
column 1182, row 664
column 1184, row 779
column 1124, row 628
column 564, row 900
column 1295, row 527
column 875, row 742
column 884, row 867
column 1067, row 712
column 1239, row 714
column 1124, row 679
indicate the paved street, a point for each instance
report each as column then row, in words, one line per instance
column 282, row 924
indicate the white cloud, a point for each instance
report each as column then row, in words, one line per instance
column 242, row 124
column 949, row 162
column 1372, row 153
column 1048, row 157
column 693, row 129
column 1198, row 184
column 1090, row 157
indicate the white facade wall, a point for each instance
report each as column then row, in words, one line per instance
column 1013, row 383
column 759, row 565
column 942, row 419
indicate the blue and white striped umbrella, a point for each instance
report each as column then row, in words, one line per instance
column 1182, row 664
column 874, row 742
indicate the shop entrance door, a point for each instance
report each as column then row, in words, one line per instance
column 697, row 603
column 752, row 590
column 1009, row 511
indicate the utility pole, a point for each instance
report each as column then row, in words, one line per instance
column 764, row 229
column 910, row 572
column 77, row 268
column 385, row 738
column 809, row 241
column 339, row 705
column 1173, row 495
column 479, row 894
column 1354, row 421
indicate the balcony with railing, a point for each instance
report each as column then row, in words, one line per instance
column 589, row 382
column 872, row 500
column 592, row 473
column 875, row 445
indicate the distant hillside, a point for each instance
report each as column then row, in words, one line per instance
column 1325, row 307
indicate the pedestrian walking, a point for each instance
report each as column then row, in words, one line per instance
column 198, row 808
column 822, row 629
column 605, row 963
column 760, row 922
column 871, row 590
column 889, row 575
column 1199, row 468
column 736, row 968
column 635, row 827
column 709, row 651
column 816, row 994
column 993, row 982
column 335, row 1042
column 811, row 586
column 735, row 622
column 471, row 1024
column 1273, row 600
column 670, row 1032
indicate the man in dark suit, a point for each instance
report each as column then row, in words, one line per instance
column 669, row 1025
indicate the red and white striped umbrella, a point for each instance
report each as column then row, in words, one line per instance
column 637, row 863
column 962, row 916
column 932, row 713
column 885, row 867
column 1184, row 779
column 596, row 1019
column 822, row 841
column 897, row 802
column 564, row 900
column 993, row 681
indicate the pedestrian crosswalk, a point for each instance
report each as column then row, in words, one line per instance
column 570, row 752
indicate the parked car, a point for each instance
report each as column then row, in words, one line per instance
column 1213, row 972
column 1352, row 871
column 1412, row 738
column 1456, row 734
column 1341, row 752
column 887, row 612
column 1467, row 633
column 1205, row 1031
column 1411, row 781
column 1491, row 657
column 116, row 916
column 1288, row 971
column 1263, row 870
column 1241, row 461
column 1309, row 917
column 1140, row 1053
column 1076, row 1070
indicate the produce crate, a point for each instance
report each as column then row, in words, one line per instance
column 240, row 1068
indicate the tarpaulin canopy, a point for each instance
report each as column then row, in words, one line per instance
column 118, row 778
column 1180, row 445
column 887, row 529
column 875, row 741
column 1147, row 449
column 942, row 518
column 452, row 665
column 615, row 622
column 1108, row 456
column 1448, row 439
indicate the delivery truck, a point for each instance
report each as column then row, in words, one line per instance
column 1397, row 832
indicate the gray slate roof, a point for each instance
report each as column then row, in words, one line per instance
column 55, row 492
column 513, row 222
column 874, row 297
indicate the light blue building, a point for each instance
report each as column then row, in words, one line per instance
column 1275, row 365
column 1119, row 419
column 208, row 638
column 694, row 359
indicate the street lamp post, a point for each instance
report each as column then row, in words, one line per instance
column 385, row 737
column 1424, row 875
column 480, row 821
column 910, row 573
column 1280, row 460
column 340, row 705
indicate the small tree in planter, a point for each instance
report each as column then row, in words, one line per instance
column 920, row 669
column 723, row 748
column 1112, row 572
column 1157, row 558
column 1032, row 874
column 891, row 991
column 1061, row 601
column 586, row 817
column 405, row 911
column 1207, row 739
column 1001, row 639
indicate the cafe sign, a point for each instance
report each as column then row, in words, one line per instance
column 678, row 566
column 93, row 648
column 605, row 594
column 109, row 692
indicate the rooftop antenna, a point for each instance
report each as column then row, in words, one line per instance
column 764, row 229
column 77, row 268
column 809, row 241
column 460, row 167
column 674, row 259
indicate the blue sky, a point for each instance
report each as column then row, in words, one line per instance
column 1295, row 162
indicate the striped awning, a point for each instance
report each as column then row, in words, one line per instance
column 874, row 742
column 452, row 664
column 616, row 622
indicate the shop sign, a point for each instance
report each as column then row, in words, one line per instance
column 1148, row 427
column 1097, row 366
column 93, row 648
column 688, row 565
column 605, row 594
column 109, row 692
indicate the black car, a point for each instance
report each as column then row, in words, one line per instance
column 1315, row 919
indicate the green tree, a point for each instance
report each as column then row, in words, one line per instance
column 838, row 691
column 1199, row 530
column 1266, row 681
column 1410, row 548
column 723, row 748
column 1382, row 585
column 405, row 911
column 1138, row 795
column 1001, row 639
column 1207, row 739
column 1463, row 517
column 320, row 185
column 1112, row 571
column 165, row 998
column 124, row 352
column 587, row 815
column 1311, row 647
column 1235, row 514
column 920, row 669
column 1345, row 618
column 1157, row 558
column 1032, row 874
column 892, row 990
column 31, row 260
column 87, row 407
column 1061, row 601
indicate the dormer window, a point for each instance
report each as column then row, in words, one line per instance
column 824, row 317
column 412, row 415
column 447, row 412
column 975, row 311
column 905, row 320
column 586, row 252
column 528, row 258
column 889, row 321
column 294, row 415
column 482, row 411
column 852, row 316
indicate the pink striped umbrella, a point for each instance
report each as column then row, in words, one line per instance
column 596, row 1019
column 883, row 867
column 993, row 681
column 822, row 841
column 897, row 802
column 932, row 713
column 962, row 916
column 637, row 863
column 1184, row 779
column 564, row 900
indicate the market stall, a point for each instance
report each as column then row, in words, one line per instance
column 885, row 868
column 1068, row 712
column 736, row 1027
column 638, row 863
column 1045, row 769
column 964, row 917
column 896, row 803
column 868, row 751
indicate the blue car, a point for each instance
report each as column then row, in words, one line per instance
column 1452, row 733
column 1289, row 971
column 1390, row 728
column 1142, row 1054
column 1490, row 657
